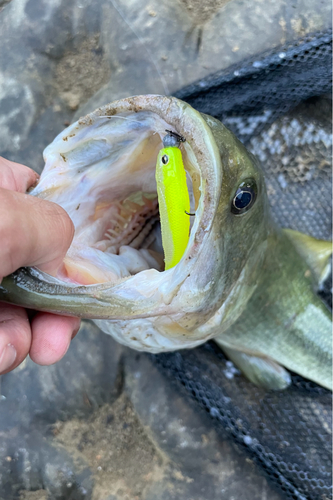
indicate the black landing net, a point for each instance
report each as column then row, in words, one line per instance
column 279, row 106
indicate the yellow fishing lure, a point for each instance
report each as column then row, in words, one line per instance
column 173, row 199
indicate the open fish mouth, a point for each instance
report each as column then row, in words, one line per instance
column 101, row 170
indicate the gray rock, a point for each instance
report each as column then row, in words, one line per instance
column 50, row 62
column 28, row 462
column 35, row 398
column 206, row 465
column 57, row 55
column 89, row 375
column 75, row 440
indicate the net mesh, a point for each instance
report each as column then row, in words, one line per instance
column 279, row 106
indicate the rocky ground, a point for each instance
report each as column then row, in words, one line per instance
column 105, row 424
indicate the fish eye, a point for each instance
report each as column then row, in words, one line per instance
column 165, row 159
column 245, row 197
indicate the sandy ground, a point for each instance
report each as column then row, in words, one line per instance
column 80, row 73
column 117, row 448
column 203, row 11
column 34, row 495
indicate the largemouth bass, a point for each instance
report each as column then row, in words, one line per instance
column 242, row 281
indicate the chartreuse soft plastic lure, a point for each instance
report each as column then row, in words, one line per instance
column 173, row 199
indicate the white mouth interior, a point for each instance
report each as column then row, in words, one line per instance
column 103, row 175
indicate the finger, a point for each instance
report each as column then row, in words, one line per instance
column 15, row 176
column 33, row 232
column 51, row 336
column 15, row 336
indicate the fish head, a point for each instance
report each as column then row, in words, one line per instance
column 101, row 170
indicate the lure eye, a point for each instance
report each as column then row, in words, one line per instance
column 165, row 159
column 245, row 197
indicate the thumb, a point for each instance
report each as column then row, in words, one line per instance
column 33, row 232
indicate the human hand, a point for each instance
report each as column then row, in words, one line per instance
column 33, row 232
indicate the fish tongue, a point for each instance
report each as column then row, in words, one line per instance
column 84, row 272
column 90, row 266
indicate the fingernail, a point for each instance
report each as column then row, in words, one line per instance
column 32, row 186
column 75, row 331
column 7, row 357
column 37, row 179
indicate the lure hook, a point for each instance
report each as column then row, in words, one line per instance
column 172, row 140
